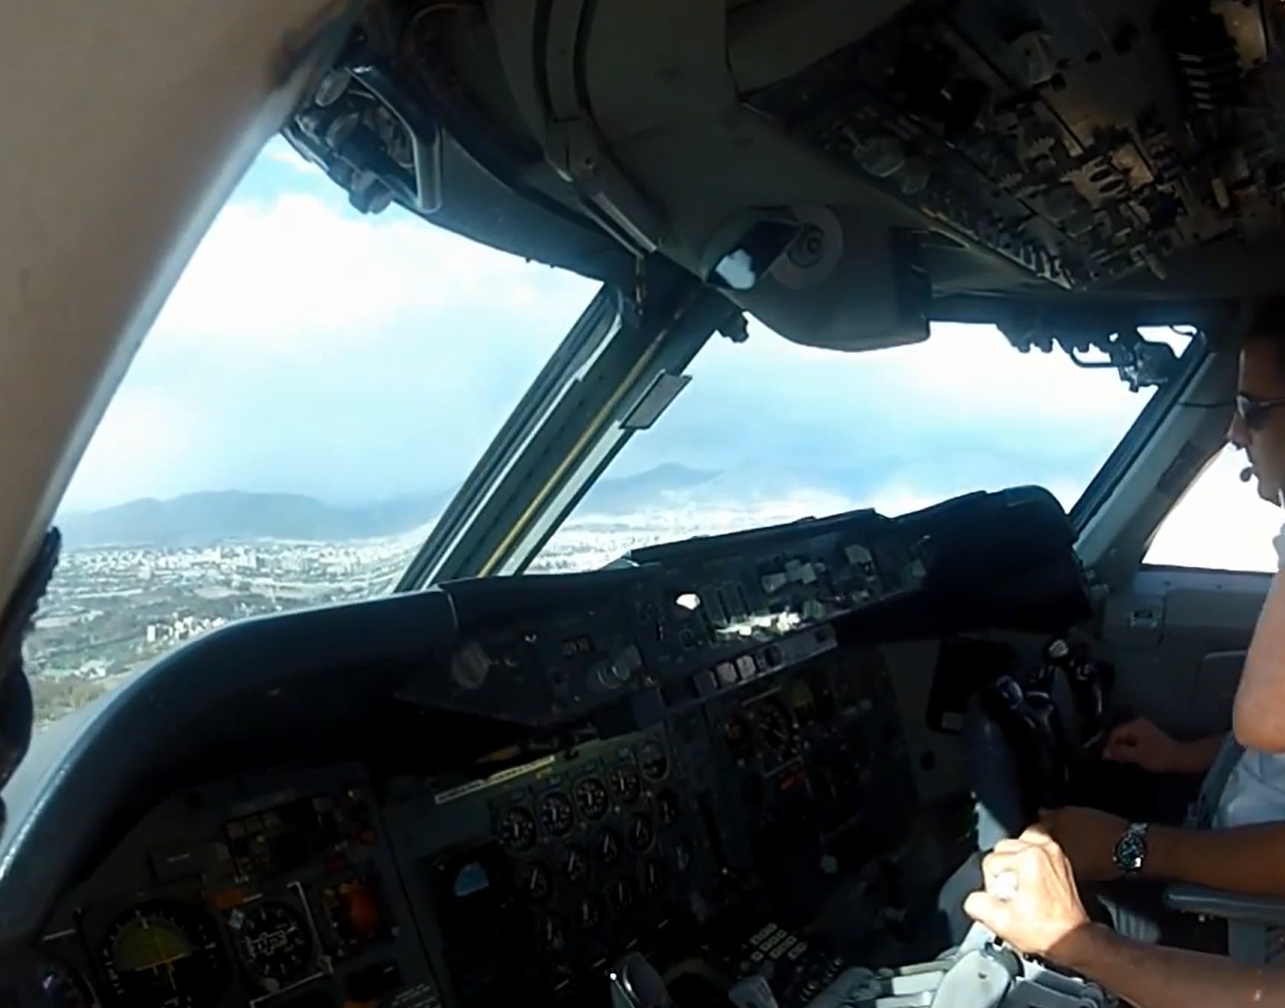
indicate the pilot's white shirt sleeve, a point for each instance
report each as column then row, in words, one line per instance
column 1254, row 793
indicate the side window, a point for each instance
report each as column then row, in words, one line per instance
column 1219, row 524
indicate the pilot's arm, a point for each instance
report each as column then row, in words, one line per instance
column 1242, row 859
column 1030, row 900
column 1258, row 716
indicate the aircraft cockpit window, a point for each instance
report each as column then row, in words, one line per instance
column 770, row 431
column 316, row 387
column 1219, row 524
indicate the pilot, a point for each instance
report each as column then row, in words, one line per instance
column 1030, row 900
column 1233, row 836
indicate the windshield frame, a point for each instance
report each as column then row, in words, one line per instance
column 532, row 499
column 573, row 421
column 1141, row 433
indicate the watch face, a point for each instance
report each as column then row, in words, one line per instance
column 1131, row 851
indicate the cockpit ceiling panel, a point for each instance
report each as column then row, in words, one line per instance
column 1034, row 150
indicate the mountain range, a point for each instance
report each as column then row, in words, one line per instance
column 211, row 517
column 805, row 487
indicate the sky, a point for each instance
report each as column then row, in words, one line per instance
column 311, row 349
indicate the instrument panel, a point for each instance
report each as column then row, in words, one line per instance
column 245, row 892
column 536, row 877
column 551, row 649
column 321, row 888
column 812, row 777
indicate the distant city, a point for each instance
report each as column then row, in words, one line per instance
column 111, row 610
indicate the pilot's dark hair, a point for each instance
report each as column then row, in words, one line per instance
column 1269, row 320
column 1268, row 323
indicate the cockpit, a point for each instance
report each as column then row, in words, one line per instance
column 475, row 586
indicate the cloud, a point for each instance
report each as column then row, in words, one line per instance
column 310, row 348
column 301, row 271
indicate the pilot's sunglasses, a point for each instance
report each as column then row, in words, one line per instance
column 1254, row 412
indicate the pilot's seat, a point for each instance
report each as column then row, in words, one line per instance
column 1255, row 924
column 1020, row 754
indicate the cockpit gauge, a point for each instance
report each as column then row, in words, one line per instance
column 589, row 913
column 641, row 832
column 557, row 813
column 736, row 733
column 777, row 728
column 355, row 913
column 516, row 829
column 683, row 854
column 804, row 702
column 625, row 783
column 274, row 942
column 653, row 760
column 535, row 882
column 575, row 864
column 591, row 796
column 62, row 986
column 622, row 893
column 164, row 954
column 553, row 936
column 608, row 847
column 667, row 807
column 653, row 877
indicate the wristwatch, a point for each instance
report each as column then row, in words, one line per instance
column 1131, row 849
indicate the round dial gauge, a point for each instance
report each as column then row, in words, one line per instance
column 653, row 877
column 653, row 760
column 667, row 808
column 557, row 813
column 641, row 832
column 591, row 796
column 625, row 782
column 609, row 847
column 535, row 882
column 575, row 866
column 683, row 854
column 622, row 893
column 736, row 732
column 164, row 955
column 778, row 731
column 552, row 935
column 804, row 702
column 588, row 914
column 516, row 829
column 274, row 942
column 62, row 986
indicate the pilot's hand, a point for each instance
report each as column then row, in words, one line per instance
column 1141, row 742
column 1029, row 898
column 1088, row 838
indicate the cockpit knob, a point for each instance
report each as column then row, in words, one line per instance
column 635, row 983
